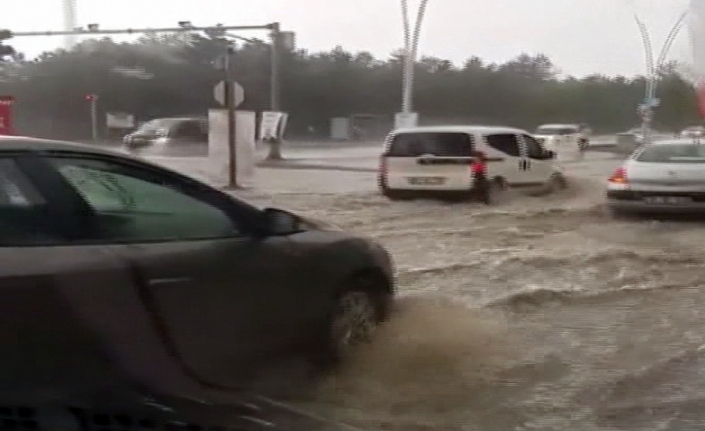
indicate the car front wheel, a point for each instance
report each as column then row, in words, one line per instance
column 356, row 315
column 354, row 321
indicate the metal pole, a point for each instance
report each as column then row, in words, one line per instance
column 275, row 72
column 411, row 43
column 645, row 110
column 232, row 121
column 140, row 30
column 94, row 118
column 407, row 64
column 274, row 89
column 672, row 34
column 653, row 68
column 69, row 22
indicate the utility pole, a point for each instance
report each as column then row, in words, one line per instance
column 93, row 100
column 411, row 43
column 232, row 121
column 70, row 24
column 93, row 29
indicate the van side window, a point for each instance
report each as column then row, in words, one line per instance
column 189, row 129
column 533, row 148
column 504, row 142
column 440, row 144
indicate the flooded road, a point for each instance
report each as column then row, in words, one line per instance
column 542, row 313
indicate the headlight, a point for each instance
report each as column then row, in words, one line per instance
column 161, row 141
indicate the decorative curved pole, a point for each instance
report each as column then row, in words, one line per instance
column 411, row 43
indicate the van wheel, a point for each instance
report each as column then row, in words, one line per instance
column 557, row 182
column 394, row 195
column 496, row 192
column 554, row 184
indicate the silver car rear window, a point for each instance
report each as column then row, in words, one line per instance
column 672, row 153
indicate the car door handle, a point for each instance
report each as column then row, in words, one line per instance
column 166, row 281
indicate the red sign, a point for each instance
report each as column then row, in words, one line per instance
column 6, row 115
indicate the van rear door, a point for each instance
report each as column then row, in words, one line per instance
column 429, row 161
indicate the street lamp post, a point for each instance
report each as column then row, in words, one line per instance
column 411, row 43
column 646, row 109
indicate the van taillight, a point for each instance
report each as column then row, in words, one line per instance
column 478, row 165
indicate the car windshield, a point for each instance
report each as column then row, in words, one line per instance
column 672, row 153
column 553, row 130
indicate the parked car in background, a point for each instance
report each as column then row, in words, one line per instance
column 124, row 283
column 663, row 176
column 189, row 131
column 693, row 132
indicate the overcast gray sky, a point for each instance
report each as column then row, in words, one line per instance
column 581, row 36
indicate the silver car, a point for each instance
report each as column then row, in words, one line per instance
column 664, row 176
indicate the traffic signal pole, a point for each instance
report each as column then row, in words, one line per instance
column 181, row 29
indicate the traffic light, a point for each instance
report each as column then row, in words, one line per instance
column 91, row 97
column 5, row 50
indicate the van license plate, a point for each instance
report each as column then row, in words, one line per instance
column 667, row 200
column 426, row 181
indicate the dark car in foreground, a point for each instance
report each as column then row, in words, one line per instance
column 129, row 289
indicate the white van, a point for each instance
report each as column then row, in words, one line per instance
column 563, row 137
column 439, row 161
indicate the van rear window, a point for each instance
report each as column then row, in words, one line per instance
column 443, row 144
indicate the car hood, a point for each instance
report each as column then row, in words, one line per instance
column 546, row 137
column 311, row 223
column 130, row 408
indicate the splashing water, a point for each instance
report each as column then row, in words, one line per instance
column 428, row 360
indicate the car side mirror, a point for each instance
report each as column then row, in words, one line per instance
column 278, row 222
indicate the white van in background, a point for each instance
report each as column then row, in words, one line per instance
column 563, row 138
column 440, row 161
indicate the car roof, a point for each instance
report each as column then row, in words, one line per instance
column 485, row 130
column 676, row 141
column 26, row 143
column 559, row 125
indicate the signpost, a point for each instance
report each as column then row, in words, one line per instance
column 93, row 99
column 220, row 93
column 231, row 94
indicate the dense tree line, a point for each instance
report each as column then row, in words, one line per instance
column 174, row 75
